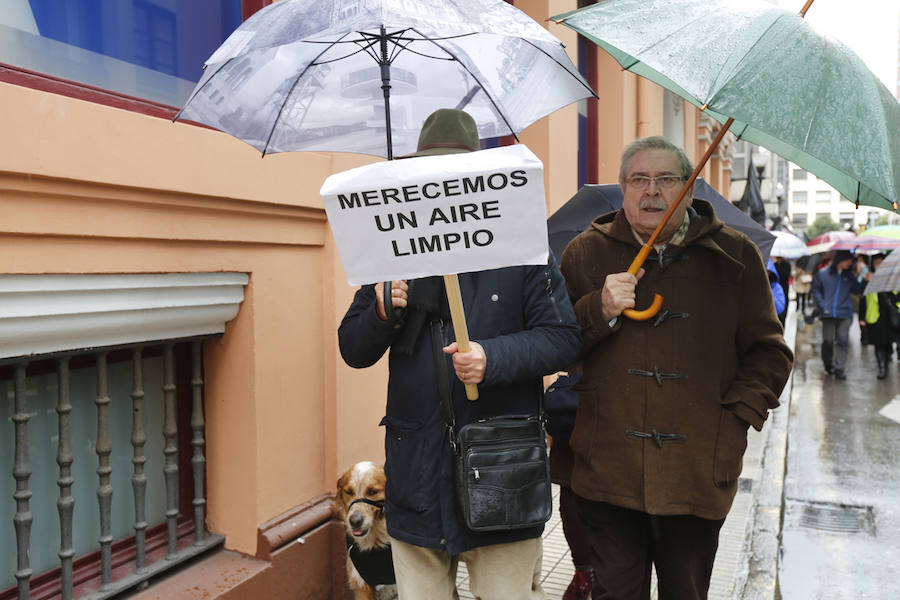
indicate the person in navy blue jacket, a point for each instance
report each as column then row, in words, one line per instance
column 522, row 327
column 831, row 289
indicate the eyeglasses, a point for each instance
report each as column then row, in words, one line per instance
column 663, row 181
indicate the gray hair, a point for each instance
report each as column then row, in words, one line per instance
column 654, row 143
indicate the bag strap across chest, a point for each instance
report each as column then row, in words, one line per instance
column 443, row 383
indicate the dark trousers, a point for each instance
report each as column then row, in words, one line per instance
column 576, row 534
column 835, row 342
column 625, row 543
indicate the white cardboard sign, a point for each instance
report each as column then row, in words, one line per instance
column 438, row 215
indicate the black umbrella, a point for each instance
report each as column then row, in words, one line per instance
column 593, row 200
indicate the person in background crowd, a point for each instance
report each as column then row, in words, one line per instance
column 560, row 404
column 875, row 317
column 861, row 268
column 783, row 268
column 831, row 289
column 801, row 280
column 778, row 295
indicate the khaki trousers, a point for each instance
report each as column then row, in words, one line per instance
column 497, row 572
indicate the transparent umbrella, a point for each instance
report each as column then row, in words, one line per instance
column 789, row 246
column 362, row 75
column 887, row 276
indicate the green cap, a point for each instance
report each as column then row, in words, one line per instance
column 447, row 131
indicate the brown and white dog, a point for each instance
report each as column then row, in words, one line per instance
column 360, row 498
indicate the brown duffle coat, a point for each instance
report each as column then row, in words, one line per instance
column 664, row 404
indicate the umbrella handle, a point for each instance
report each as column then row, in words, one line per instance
column 649, row 312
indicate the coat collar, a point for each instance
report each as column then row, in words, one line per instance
column 704, row 225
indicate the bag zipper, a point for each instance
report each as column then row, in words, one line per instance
column 484, row 444
column 477, row 474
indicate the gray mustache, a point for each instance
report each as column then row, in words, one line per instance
column 654, row 203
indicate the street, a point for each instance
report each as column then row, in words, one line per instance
column 841, row 513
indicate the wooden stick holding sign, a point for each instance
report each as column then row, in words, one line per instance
column 458, row 315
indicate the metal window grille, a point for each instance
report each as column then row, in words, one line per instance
column 131, row 561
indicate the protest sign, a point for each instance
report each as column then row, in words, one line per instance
column 438, row 215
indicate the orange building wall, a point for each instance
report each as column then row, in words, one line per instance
column 91, row 189
column 86, row 188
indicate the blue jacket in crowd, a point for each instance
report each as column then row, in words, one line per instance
column 524, row 320
column 831, row 292
column 777, row 290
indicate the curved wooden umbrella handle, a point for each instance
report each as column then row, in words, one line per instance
column 649, row 312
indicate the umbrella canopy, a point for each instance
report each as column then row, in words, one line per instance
column 867, row 244
column 789, row 246
column 824, row 242
column 830, row 237
column 883, row 231
column 361, row 76
column 593, row 200
column 820, row 245
column 886, row 277
column 806, row 97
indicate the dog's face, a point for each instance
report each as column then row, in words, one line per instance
column 357, row 489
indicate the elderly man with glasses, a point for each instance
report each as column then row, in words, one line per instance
column 665, row 403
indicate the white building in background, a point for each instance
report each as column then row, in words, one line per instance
column 810, row 198
column 795, row 197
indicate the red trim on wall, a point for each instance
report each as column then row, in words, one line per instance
column 82, row 91
column 248, row 7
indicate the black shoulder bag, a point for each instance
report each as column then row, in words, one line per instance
column 501, row 470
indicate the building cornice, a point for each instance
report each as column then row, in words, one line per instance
column 53, row 206
column 43, row 314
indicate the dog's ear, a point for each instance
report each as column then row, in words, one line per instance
column 339, row 493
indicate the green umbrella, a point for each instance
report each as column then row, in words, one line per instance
column 803, row 96
column 884, row 231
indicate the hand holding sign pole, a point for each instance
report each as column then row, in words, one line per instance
column 440, row 215
column 458, row 315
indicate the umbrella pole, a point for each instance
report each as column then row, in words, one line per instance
column 806, row 8
column 451, row 282
column 386, row 88
column 643, row 315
